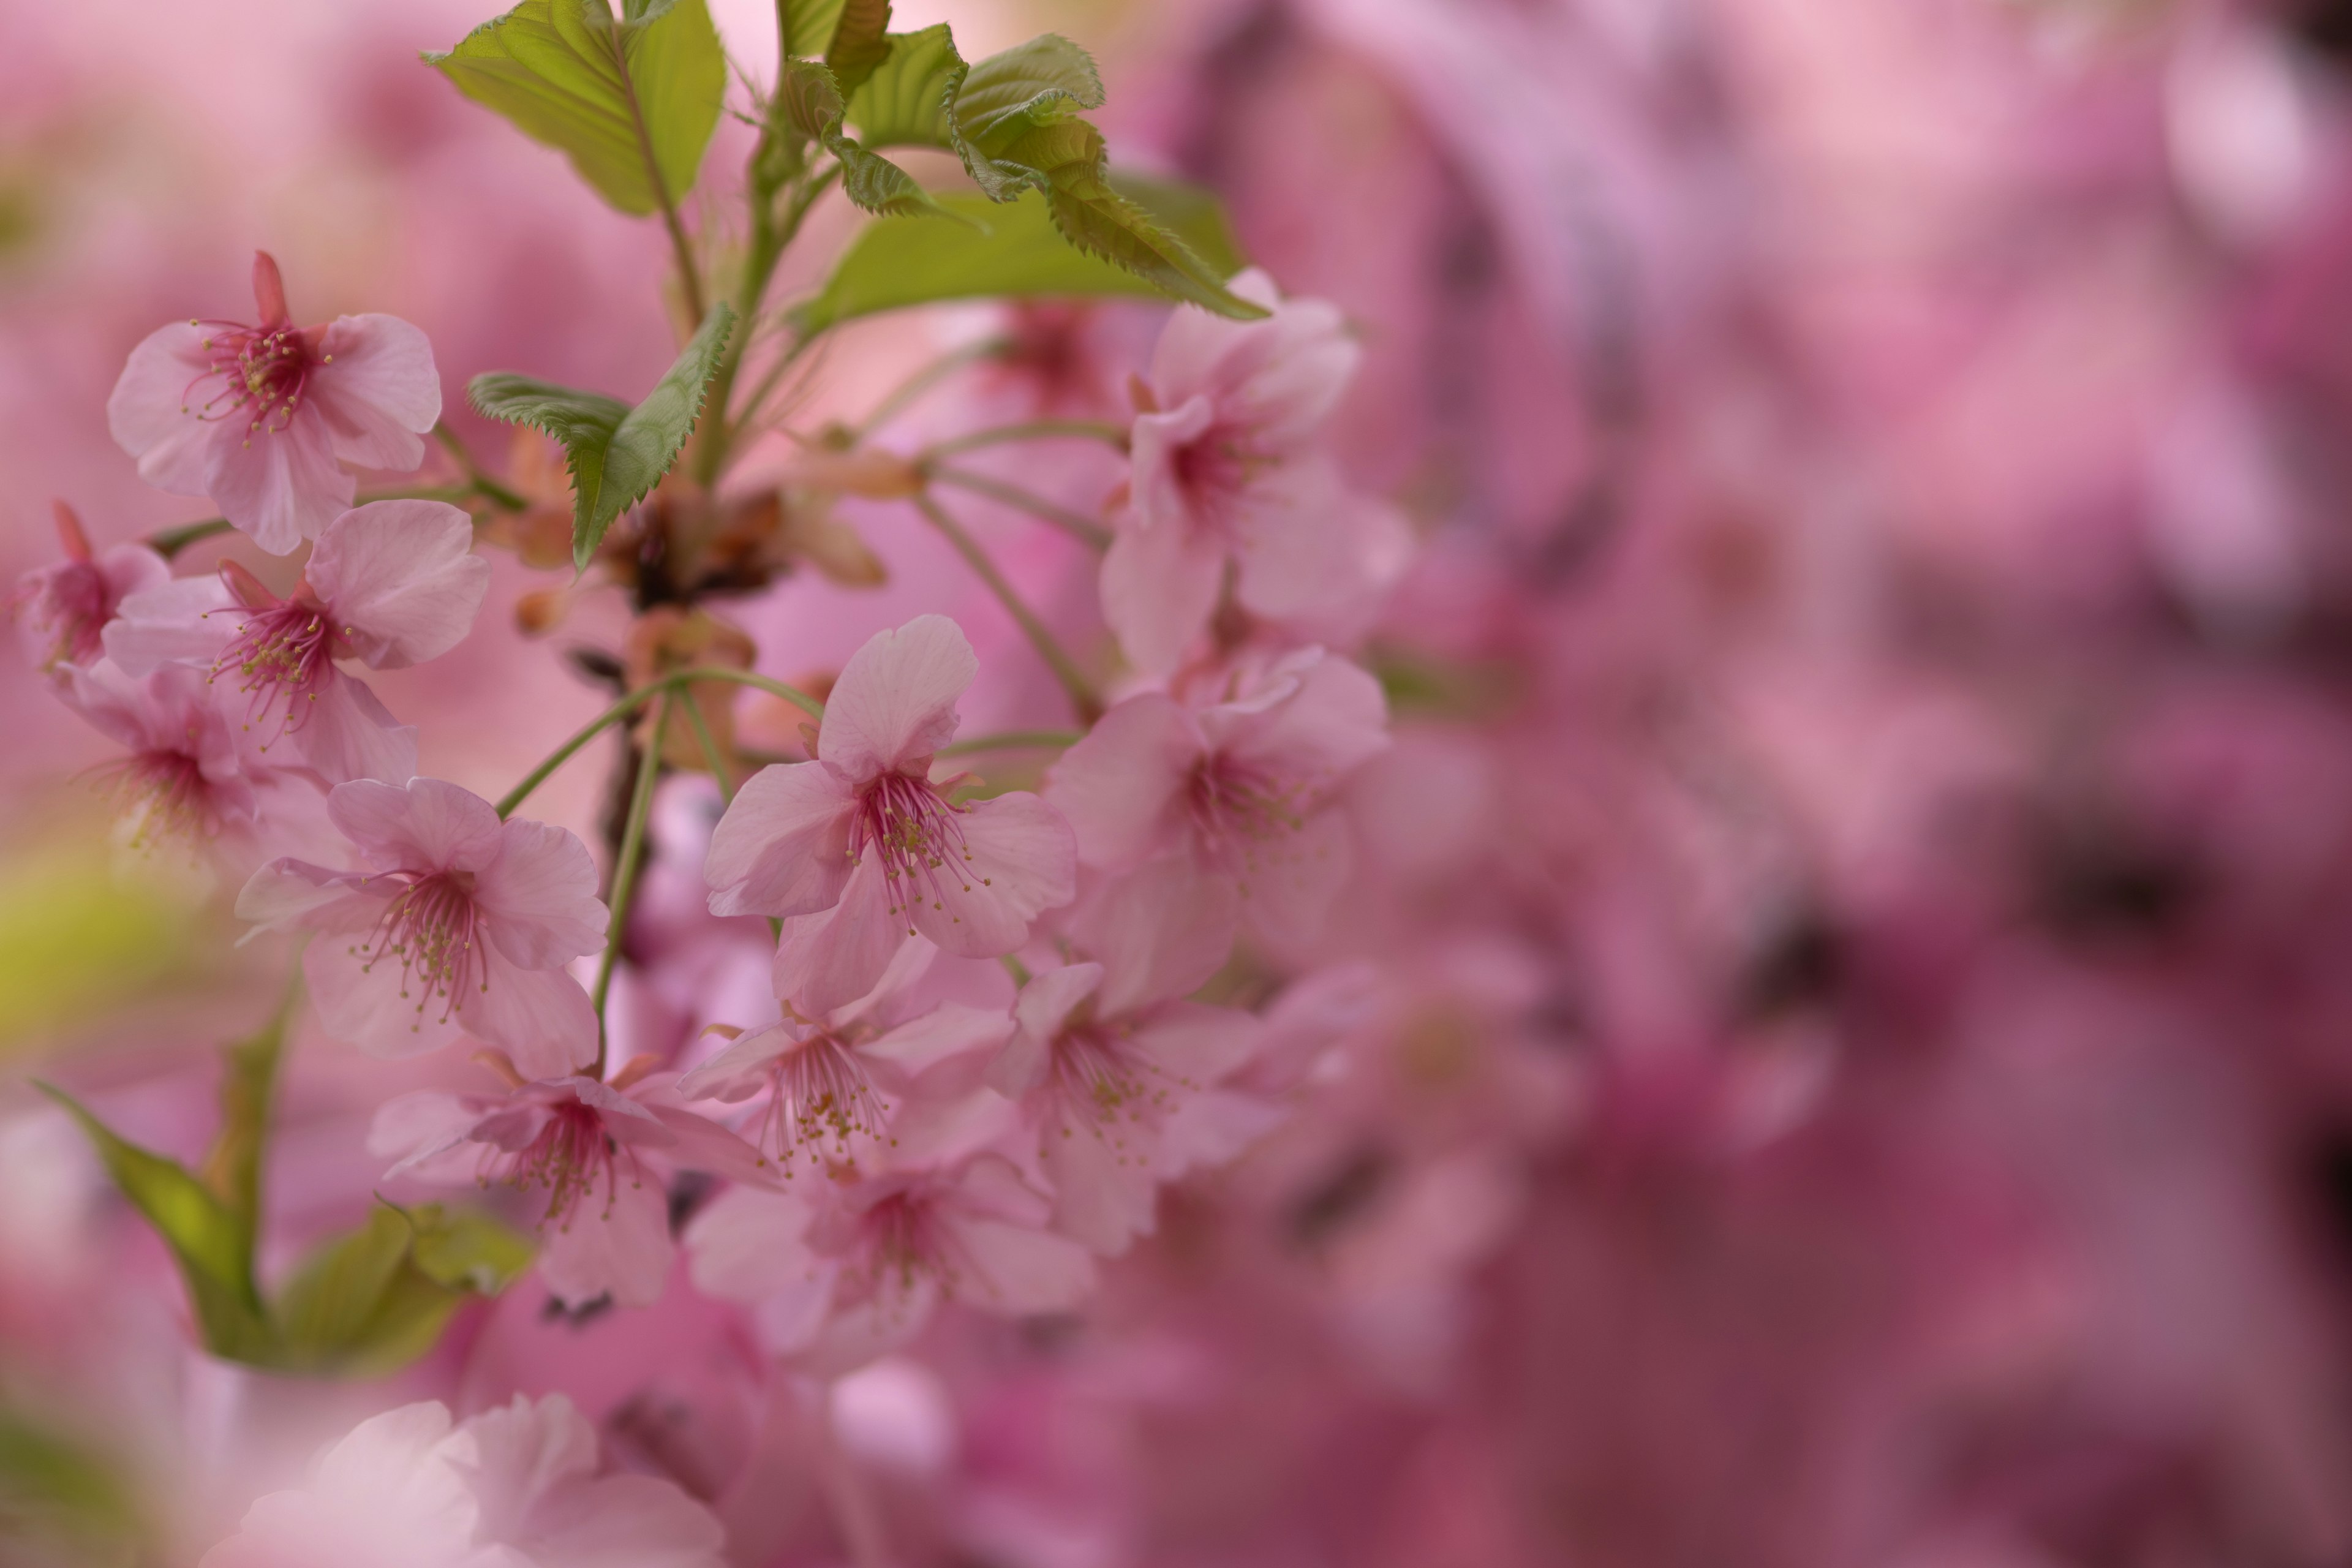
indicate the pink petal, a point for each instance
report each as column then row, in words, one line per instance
column 1020, row 860
column 426, row 826
column 1159, row 931
column 627, row 1522
column 401, row 579
column 833, row 957
column 280, row 486
column 411, row 1129
column 1197, row 1043
column 1276, row 379
column 895, row 702
column 1335, row 717
column 622, row 1248
column 515, row 1457
column 539, row 891
column 1104, row 1195
column 147, row 413
column 186, row 620
column 1121, row 787
column 541, row 1018
column 293, row 895
column 700, row 1144
column 343, row 733
column 749, row 1244
column 1156, row 482
column 1016, row 1269
column 1297, row 538
column 782, row 848
column 1288, row 880
column 378, row 391
column 1214, row 1128
column 372, row 1006
column 740, row 1071
column 1159, row 587
column 941, row 1035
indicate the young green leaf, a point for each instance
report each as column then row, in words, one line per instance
column 631, row 100
column 905, row 103
column 1093, row 217
column 895, row 263
column 809, row 25
column 212, row 1249
column 232, row 1167
column 372, row 1299
column 1042, row 82
column 811, row 103
column 616, row 454
column 859, row 42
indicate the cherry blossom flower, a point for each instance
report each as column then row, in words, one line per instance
column 514, row 1487
column 62, row 609
column 261, row 417
column 844, row 1275
column 862, row 848
column 460, row 924
column 185, row 776
column 599, row 1153
column 392, row 583
column 1240, row 787
column 831, row 1083
column 1117, row 1074
column 1224, row 469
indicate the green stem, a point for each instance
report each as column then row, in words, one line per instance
column 1013, row 741
column 169, row 541
column 712, row 462
column 719, row 771
column 625, row 871
column 1085, row 530
column 1089, row 707
column 1033, row 430
column 481, row 481
column 629, row 704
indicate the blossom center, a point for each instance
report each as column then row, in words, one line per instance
column 918, row 836
column 1111, row 1089
column 261, row 374
column 434, row 930
column 1234, row 806
column 1212, row 470
column 166, row 794
column 821, row 1092
column 572, row 1156
column 287, row 652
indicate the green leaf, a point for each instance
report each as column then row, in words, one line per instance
column 56, row 1489
column 895, row 263
column 1045, row 81
column 208, row 1242
column 631, row 100
column 615, row 453
column 372, row 1299
column 809, row 25
column 232, row 1167
column 811, row 102
column 905, row 103
column 859, row 42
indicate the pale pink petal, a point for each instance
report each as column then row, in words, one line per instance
column 147, row 413
column 342, row 733
column 748, row 1243
column 1122, row 788
column 401, row 579
column 1159, row 931
column 1336, row 719
column 280, row 486
column 426, row 824
column 1274, row 380
column 782, row 848
column 740, row 1071
column 1213, row 1128
column 833, row 957
column 1104, row 1191
column 895, row 702
column 377, row 391
column 625, row 1521
column 699, row 1144
column 1015, row 1269
column 1289, row 878
column 289, row 895
column 621, row 1247
column 372, row 1004
column 943, row 1036
column 1159, row 587
column 186, row 620
column 1295, row 534
column 1019, row 861
column 515, row 1456
column 539, row 891
column 859, row 1330
column 539, row 1018
column 413, row 1128
column 1196, row 1044
column 1043, row 1006
column 1194, row 344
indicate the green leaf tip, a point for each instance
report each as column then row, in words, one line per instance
column 615, row 453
